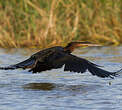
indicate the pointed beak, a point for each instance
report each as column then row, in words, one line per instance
column 92, row 45
column 88, row 45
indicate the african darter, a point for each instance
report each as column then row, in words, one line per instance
column 56, row 57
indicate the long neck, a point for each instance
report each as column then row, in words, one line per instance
column 69, row 49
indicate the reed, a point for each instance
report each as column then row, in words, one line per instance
column 45, row 23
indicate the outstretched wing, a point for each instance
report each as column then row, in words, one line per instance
column 29, row 63
column 80, row 65
column 36, row 59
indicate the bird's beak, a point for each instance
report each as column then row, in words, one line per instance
column 88, row 45
column 91, row 45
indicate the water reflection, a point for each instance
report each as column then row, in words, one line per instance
column 59, row 87
column 40, row 86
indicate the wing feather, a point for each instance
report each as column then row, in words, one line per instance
column 80, row 65
column 29, row 63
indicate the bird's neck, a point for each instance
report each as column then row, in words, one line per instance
column 69, row 49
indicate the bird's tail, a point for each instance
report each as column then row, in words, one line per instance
column 29, row 63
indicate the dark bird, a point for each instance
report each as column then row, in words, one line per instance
column 56, row 57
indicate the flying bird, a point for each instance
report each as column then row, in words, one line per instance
column 56, row 57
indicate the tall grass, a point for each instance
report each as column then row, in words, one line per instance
column 44, row 23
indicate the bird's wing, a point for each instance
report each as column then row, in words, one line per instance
column 35, row 60
column 29, row 63
column 80, row 65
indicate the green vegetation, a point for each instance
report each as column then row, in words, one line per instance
column 44, row 23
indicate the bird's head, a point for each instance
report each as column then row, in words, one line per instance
column 72, row 45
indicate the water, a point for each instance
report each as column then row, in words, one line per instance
column 58, row 90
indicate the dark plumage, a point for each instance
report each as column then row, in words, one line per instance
column 56, row 57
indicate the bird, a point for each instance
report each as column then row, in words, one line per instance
column 59, row 56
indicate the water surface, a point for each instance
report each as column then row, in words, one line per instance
column 59, row 90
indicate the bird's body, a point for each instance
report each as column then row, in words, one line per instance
column 56, row 57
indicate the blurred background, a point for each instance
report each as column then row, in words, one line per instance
column 45, row 23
